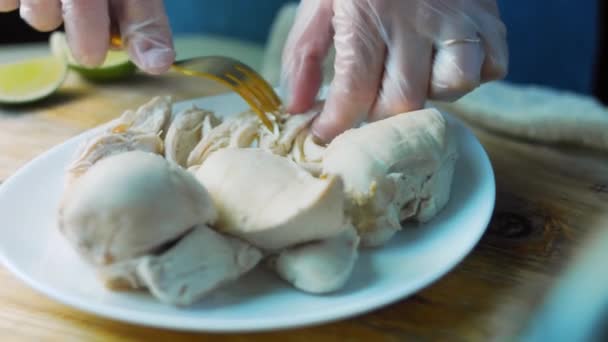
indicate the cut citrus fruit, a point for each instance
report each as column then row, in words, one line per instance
column 32, row 79
column 116, row 66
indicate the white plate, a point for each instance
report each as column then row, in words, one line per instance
column 32, row 248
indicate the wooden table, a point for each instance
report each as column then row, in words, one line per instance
column 548, row 200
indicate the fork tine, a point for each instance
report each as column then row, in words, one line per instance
column 258, row 87
column 263, row 85
column 216, row 77
column 267, row 105
column 254, row 102
column 238, row 77
column 249, row 81
column 260, row 113
column 220, row 66
column 242, row 87
column 276, row 101
column 236, row 85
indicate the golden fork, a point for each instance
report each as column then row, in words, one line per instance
column 239, row 77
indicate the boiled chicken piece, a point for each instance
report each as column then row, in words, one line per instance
column 239, row 131
column 109, row 144
column 128, row 204
column 270, row 201
column 289, row 126
column 395, row 169
column 151, row 117
column 320, row 266
column 122, row 275
column 186, row 130
column 199, row 263
column 133, row 130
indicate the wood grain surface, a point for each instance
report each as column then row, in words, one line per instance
column 549, row 199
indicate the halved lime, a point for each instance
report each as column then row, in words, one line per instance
column 117, row 64
column 32, row 79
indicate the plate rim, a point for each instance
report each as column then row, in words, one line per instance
column 202, row 324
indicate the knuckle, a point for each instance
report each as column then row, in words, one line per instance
column 500, row 72
column 497, row 69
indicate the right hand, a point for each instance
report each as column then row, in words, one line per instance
column 143, row 26
column 391, row 56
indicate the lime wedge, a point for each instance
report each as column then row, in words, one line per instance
column 117, row 65
column 32, row 79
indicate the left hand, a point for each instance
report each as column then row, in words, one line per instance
column 143, row 25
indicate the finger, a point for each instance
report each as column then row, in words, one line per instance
column 406, row 75
column 494, row 39
column 87, row 25
column 145, row 31
column 456, row 69
column 43, row 15
column 360, row 52
column 493, row 33
column 459, row 54
column 307, row 44
column 8, row 5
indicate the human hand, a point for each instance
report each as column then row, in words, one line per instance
column 391, row 56
column 143, row 26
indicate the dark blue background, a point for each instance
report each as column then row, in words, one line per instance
column 551, row 42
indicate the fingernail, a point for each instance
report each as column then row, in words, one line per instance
column 319, row 130
column 156, row 59
column 87, row 60
column 317, row 140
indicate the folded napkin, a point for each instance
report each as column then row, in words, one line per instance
column 536, row 114
column 532, row 113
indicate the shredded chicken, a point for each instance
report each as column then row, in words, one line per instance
column 181, row 204
column 187, row 129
